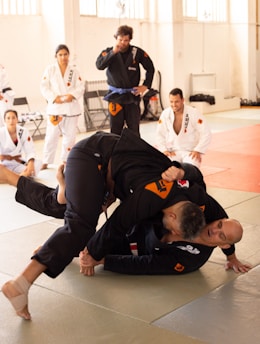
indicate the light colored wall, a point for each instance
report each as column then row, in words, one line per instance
column 177, row 48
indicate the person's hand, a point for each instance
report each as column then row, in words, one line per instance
column 139, row 90
column 236, row 265
column 195, row 156
column 87, row 263
column 116, row 48
column 172, row 173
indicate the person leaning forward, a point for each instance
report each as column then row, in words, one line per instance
column 136, row 169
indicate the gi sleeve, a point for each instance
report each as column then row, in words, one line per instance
column 179, row 258
column 147, row 64
column 45, row 86
column 105, row 58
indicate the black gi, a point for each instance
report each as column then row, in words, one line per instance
column 123, row 71
column 136, row 170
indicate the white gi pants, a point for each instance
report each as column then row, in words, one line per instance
column 67, row 127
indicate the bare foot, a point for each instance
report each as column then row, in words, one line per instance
column 61, row 181
column 16, row 292
column 44, row 167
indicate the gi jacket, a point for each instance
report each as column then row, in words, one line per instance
column 136, row 169
column 123, row 71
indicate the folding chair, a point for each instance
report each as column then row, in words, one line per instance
column 95, row 110
column 27, row 116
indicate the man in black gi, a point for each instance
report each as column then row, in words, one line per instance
column 122, row 62
column 136, row 169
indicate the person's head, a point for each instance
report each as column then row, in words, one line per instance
column 222, row 233
column 176, row 99
column 10, row 118
column 62, row 54
column 185, row 219
column 123, row 35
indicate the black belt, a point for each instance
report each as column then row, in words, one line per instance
column 6, row 89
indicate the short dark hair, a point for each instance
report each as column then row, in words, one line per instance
column 10, row 110
column 124, row 30
column 192, row 221
column 176, row 91
column 61, row 47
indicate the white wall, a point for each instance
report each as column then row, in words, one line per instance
column 177, row 48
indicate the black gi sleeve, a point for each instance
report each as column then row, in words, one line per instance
column 105, row 58
column 192, row 173
column 172, row 260
column 147, row 64
column 229, row 251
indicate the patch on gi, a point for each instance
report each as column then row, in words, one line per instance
column 183, row 183
column 114, row 108
column 179, row 267
column 161, row 188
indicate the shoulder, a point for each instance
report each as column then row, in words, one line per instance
column 191, row 110
column 167, row 112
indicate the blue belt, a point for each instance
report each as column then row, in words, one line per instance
column 117, row 90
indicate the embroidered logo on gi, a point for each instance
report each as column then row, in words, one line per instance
column 179, row 267
column 55, row 120
column 186, row 122
column 189, row 248
column 70, row 78
column 182, row 183
column 161, row 188
column 114, row 108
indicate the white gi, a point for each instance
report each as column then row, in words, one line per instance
column 53, row 85
column 6, row 92
column 24, row 148
column 195, row 134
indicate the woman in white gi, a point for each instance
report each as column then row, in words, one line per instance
column 182, row 132
column 6, row 94
column 17, row 148
column 61, row 86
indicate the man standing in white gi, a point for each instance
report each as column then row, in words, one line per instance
column 61, row 86
column 182, row 132
column 6, row 94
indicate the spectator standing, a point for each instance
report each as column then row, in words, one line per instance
column 122, row 64
column 61, row 86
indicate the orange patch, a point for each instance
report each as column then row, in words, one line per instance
column 68, row 149
column 114, row 108
column 28, row 138
column 99, row 167
column 178, row 267
column 68, row 83
column 200, row 121
column 55, row 120
column 104, row 53
column 161, row 188
column 160, row 121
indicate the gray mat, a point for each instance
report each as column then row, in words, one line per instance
column 229, row 314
